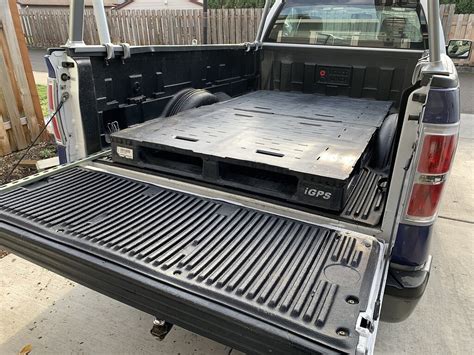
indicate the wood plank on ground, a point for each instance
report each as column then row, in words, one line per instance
column 28, row 163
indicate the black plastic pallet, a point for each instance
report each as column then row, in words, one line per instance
column 299, row 147
column 290, row 275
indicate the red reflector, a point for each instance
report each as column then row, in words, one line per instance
column 424, row 200
column 437, row 154
column 54, row 122
column 50, row 98
column 57, row 134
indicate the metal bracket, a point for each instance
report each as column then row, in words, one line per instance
column 252, row 45
column 109, row 49
column 126, row 50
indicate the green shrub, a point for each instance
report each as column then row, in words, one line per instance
column 462, row 6
column 239, row 4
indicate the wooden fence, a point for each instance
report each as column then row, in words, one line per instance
column 20, row 111
column 48, row 28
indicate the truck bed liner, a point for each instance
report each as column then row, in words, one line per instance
column 282, row 144
column 282, row 273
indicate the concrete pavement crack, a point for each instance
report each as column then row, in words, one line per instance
column 456, row 219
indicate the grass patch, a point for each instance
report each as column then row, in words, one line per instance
column 47, row 152
column 43, row 97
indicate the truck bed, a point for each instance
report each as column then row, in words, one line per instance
column 220, row 269
column 282, row 144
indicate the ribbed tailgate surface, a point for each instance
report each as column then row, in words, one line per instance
column 293, row 274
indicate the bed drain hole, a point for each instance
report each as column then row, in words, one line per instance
column 352, row 300
column 343, row 332
column 177, row 272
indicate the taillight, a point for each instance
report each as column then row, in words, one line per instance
column 424, row 200
column 434, row 162
column 437, row 154
column 52, row 108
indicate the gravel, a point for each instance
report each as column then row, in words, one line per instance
column 40, row 151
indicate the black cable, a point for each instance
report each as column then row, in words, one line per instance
column 5, row 180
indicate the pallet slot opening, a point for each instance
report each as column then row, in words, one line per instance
column 188, row 139
column 171, row 160
column 264, row 179
column 272, row 154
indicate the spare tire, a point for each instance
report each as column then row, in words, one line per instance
column 187, row 99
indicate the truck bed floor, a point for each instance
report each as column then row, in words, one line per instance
column 287, row 274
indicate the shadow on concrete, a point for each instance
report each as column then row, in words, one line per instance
column 57, row 316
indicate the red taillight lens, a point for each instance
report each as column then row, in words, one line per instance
column 50, row 97
column 52, row 108
column 437, row 154
column 424, row 200
column 434, row 162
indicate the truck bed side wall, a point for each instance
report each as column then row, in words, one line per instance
column 137, row 89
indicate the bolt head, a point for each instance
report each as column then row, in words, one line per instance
column 342, row 333
column 159, row 322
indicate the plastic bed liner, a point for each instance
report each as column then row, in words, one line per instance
column 299, row 147
column 253, row 280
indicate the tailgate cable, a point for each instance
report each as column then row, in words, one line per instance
column 64, row 98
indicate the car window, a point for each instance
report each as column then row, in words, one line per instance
column 358, row 23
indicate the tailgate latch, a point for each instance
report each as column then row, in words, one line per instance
column 366, row 323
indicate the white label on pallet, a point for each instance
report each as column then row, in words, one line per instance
column 126, row 153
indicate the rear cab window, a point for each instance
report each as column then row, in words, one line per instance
column 356, row 23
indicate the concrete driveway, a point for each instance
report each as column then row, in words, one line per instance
column 57, row 316
column 40, row 71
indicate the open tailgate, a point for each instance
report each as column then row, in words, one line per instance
column 255, row 281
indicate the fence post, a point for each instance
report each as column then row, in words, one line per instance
column 21, row 64
column 11, row 109
column 27, row 69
